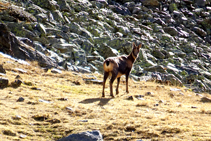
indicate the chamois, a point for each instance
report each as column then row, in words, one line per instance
column 115, row 67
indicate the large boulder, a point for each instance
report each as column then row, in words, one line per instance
column 48, row 4
column 84, row 136
column 11, row 45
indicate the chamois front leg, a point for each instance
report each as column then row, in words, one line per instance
column 106, row 74
column 117, row 87
column 127, row 75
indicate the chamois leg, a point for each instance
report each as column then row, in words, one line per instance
column 111, row 83
column 106, row 74
column 117, row 87
column 127, row 75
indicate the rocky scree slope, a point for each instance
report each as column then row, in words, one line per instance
column 79, row 34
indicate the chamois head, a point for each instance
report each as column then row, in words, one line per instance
column 135, row 50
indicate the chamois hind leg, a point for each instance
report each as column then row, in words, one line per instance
column 127, row 75
column 106, row 74
column 114, row 75
column 117, row 87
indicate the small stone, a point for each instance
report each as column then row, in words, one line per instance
column 171, row 95
column 20, row 70
column 77, row 82
column 70, row 109
column 181, row 94
column 56, row 71
column 149, row 93
column 3, row 82
column 44, row 101
column 179, row 104
column 35, row 88
column 139, row 97
column 205, row 99
column 9, row 132
column 2, row 70
column 17, row 117
column 94, row 81
column 160, row 101
column 18, row 77
column 84, row 120
column 130, row 98
column 2, row 74
column 130, row 128
column 63, row 99
column 20, row 99
column 197, row 94
column 16, row 83
column 156, row 104
column 174, row 89
column 22, row 136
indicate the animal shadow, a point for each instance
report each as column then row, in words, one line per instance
column 102, row 101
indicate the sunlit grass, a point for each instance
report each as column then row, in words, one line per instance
column 64, row 103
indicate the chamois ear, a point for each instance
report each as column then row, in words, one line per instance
column 139, row 46
column 133, row 45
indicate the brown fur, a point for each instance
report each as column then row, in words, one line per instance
column 115, row 67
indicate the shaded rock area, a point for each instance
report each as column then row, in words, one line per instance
column 84, row 136
column 78, row 35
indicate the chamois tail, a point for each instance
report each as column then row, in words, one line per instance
column 108, row 66
column 107, row 62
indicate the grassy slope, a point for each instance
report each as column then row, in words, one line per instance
column 117, row 119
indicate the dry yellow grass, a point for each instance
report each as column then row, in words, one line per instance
column 76, row 106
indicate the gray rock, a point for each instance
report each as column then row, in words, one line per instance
column 41, row 29
column 79, row 57
column 92, row 67
column 64, row 6
column 85, row 44
column 158, row 68
column 205, row 99
column 106, row 51
column 166, row 79
column 54, row 70
column 98, row 64
column 93, row 58
column 3, row 82
column 58, row 16
column 17, row 83
column 199, row 86
column 117, row 8
column 20, row 99
column 159, row 21
column 15, row 47
column 158, row 54
column 124, row 30
column 167, row 38
column 41, row 17
column 2, row 70
column 84, row 136
column 48, row 4
column 150, row 2
column 35, row 9
column 65, row 47
column 130, row 5
column 171, row 30
column 200, row 3
column 199, row 31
